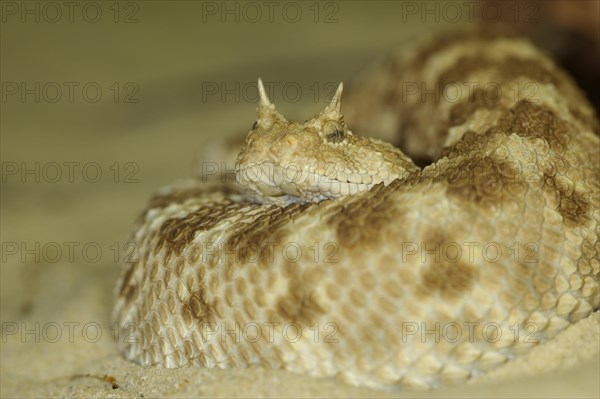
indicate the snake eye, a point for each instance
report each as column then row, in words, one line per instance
column 255, row 125
column 334, row 132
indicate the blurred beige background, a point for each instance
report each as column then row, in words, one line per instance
column 103, row 103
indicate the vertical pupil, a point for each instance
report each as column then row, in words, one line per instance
column 255, row 125
column 336, row 136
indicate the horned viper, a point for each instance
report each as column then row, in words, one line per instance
column 336, row 255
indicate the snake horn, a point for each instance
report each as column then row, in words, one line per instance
column 334, row 109
column 266, row 109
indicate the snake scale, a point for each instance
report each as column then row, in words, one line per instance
column 337, row 255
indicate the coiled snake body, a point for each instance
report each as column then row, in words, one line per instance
column 339, row 257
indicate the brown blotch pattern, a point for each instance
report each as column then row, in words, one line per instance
column 527, row 119
column 298, row 304
column 265, row 234
column 575, row 208
column 197, row 306
column 363, row 227
column 483, row 181
column 199, row 309
column 175, row 234
column 529, row 116
column 449, row 280
column 495, row 179
column 464, row 109
column 531, row 120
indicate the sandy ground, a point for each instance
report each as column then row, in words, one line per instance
column 64, row 226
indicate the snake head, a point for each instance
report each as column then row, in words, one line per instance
column 285, row 162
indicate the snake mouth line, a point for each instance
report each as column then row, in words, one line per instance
column 271, row 179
